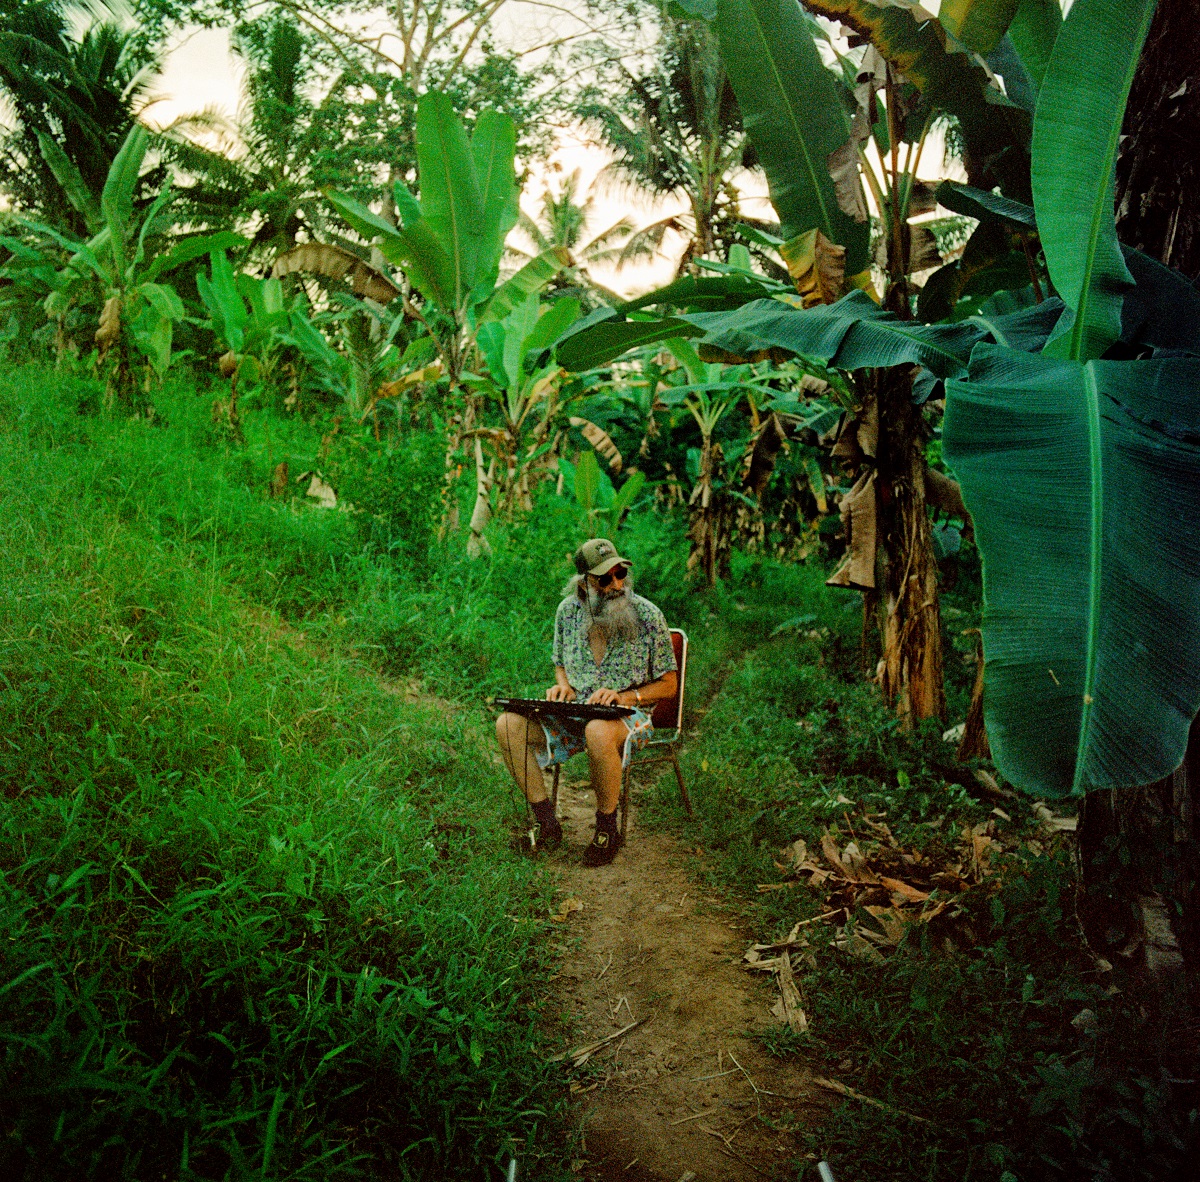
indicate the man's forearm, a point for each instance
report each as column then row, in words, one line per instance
column 653, row 691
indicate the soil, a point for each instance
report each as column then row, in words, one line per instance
column 691, row 1092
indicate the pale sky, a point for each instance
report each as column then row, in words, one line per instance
column 202, row 72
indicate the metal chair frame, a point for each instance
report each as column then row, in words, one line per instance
column 665, row 739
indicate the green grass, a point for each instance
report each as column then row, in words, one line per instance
column 258, row 915
column 258, row 918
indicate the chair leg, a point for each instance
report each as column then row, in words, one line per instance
column 687, row 800
column 554, row 791
column 623, row 804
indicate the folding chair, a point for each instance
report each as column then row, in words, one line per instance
column 667, row 736
column 665, row 739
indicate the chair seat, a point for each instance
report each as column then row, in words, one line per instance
column 661, row 735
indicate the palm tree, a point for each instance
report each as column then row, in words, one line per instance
column 679, row 134
column 257, row 171
column 565, row 221
column 83, row 91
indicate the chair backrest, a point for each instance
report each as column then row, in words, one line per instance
column 668, row 714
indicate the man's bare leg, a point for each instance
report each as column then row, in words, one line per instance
column 520, row 741
column 605, row 745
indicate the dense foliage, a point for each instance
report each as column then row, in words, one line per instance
column 302, row 414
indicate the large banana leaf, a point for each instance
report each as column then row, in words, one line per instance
column 793, row 114
column 71, row 180
column 978, row 24
column 986, row 206
column 1084, row 481
column 708, row 293
column 855, row 333
column 533, row 276
column 949, row 77
column 116, row 201
column 494, row 148
column 223, row 301
column 416, row 249
column 451, row 199
column 192, row 248
column 604, row 334
column 1033, row 32
column 610, row 337
column 1075, row 135
column 1163, row 310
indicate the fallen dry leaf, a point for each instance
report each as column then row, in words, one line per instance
column 796, row 854
column 857, row 865
column 788, row 1007
column 892, row 921
column 834, row 1085
column 565, row 909
column 1050, row 821
column 910, row 893
column 322, row 493
column 856, row 945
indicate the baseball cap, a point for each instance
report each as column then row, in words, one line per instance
column 597, row 556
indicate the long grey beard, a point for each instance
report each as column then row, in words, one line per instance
column 615, row 617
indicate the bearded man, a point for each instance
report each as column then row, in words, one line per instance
column 611, row 648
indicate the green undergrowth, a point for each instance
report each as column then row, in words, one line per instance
column 991, row 1022
column 258, row 916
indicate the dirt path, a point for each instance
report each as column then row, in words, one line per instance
column 676, row 1097
column 689, row 1093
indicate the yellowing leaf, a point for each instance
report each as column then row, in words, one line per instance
column 817, row 267
column 600, row 440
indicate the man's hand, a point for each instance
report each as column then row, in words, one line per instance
column 560, row 693
column 604, row 697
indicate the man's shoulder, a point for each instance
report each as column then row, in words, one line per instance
column 568, row 607
column 648, row 612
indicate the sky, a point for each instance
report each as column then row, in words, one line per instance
column 202, row 72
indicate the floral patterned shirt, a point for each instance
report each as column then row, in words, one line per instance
column 626, row 663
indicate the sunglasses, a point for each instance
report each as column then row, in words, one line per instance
column 617, row 572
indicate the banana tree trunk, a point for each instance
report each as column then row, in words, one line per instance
column 711, row 519
column 477, row 544
column 909, row 620
column 1140, row 846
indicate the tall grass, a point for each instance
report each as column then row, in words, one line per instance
column 257, row 915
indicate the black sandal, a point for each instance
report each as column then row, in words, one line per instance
column 533, row 841
column 603, row 848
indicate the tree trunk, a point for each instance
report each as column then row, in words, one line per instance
column 711, row 519
column 477, row 544
column 911, row 674
column 1158, row 172
column 1140, row 858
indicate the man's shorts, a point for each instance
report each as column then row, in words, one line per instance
column 564, row 738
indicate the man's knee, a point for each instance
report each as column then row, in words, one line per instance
column 510, row 731
column 514, row 731
column 605, row 733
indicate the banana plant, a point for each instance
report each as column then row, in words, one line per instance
column 450, row 242
column 117, row 269
column 1092, row 611
column 521, row 381
column 253, row 324
column 1077, row 468
column 601, row 503
column 365, row 365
